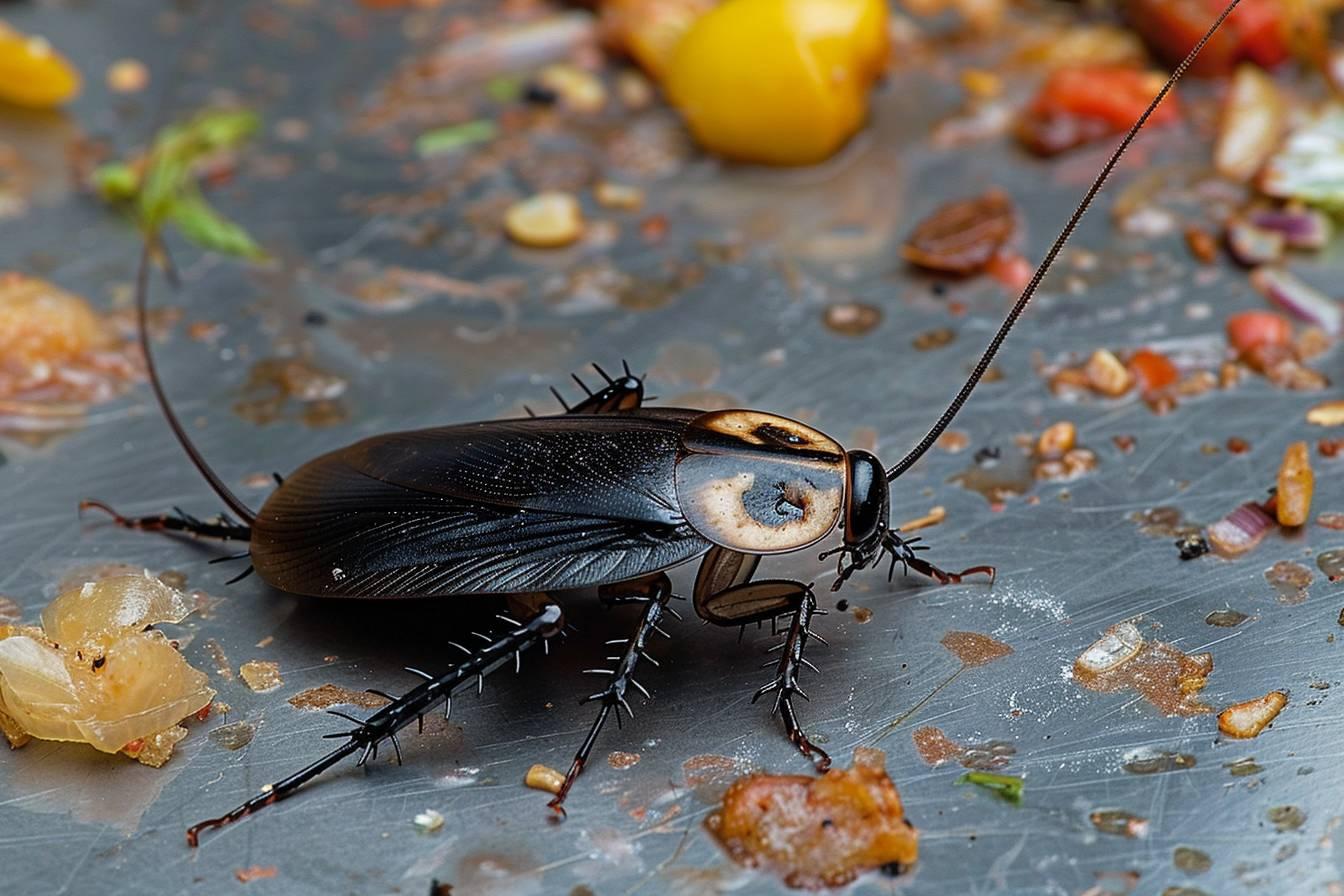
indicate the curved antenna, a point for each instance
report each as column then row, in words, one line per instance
column 969, row 386
column 142, row 322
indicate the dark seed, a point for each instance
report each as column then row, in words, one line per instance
column 1192, row 546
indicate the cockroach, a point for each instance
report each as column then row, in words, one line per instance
column 609, row 495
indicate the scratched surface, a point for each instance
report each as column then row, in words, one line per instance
column 749, row 331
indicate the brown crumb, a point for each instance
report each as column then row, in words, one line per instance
column 619, row 760
column 255, row 872
column 1202, row 244
column 818, row 832
column 953, row 441
column 935, row 516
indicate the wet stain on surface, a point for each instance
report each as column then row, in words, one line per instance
column 975, row 649
column 1286, row 818
column 935, row 748
column 1164, row 522
column 1152, row 762
column 1119, row 822
column 1191, row 860
column 686, row 364
column 329, row 695
column 275, row 384
column 233, row 736
column 936, row 338
column 1243, row 768
column 10, row 611
column 998, row 478
column 1226, row 618
column 708, row 775
column 1290, row 580
column 852, row 318
column 1163, row 675
column 1331, row 563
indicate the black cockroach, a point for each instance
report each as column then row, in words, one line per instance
column 608, row 495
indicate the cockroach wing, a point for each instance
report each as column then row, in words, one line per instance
column 512, row 506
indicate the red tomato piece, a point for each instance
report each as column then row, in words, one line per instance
column 1153, row 371
column 1248, row 329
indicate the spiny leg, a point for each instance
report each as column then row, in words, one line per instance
column 623, row 393
column 791, row 662
column 743, row 602
column 224, row 528
column 653, row 593
column 410, row 707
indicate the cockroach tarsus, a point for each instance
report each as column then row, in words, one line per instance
column 610, row 494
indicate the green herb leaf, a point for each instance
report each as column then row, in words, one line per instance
column 505, row 88
column 207, row 228
column 116, row 181
column 164, row 188
column 442, row 140
column 1009, row 787
column 1310, row 165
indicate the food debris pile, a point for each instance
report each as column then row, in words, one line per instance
column 96, row 672
column 818, row 832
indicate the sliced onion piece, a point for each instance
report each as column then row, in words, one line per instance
column 1302, row 228
column 1241, row 530
column 1299, row 299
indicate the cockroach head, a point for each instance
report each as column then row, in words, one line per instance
column 867, row 518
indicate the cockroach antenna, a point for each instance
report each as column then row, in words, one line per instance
column 1008, row 322
column 245, row 513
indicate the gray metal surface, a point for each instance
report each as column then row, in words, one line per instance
column 72, row 821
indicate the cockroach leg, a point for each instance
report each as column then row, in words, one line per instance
column 624, row 393
column 653, row 593
column 224, row 528
column 904, row 552
column 384, row 724
column 790, row 663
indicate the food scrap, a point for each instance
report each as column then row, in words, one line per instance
column 783, row 82
column 818, row 832
column 32, row 73
column 95, row 673
column 160, row 186
column 57, row 355
column 964, row 236
column 1248, row 719
column 428, row 821
column 1083, row 103
column 1167, row 678
column 262, row 676
column 1296, row 482
column 1008, row 787
column 543, row 777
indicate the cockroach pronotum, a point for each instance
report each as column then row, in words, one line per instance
column 608, row 495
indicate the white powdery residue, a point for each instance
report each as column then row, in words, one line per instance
column 1034, row 603
column 460, row 777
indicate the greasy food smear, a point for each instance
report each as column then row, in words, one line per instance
column 57, row 356
column 93, row 674
column 935, row 748
column 1164, row 676
column 818, row 832
column 329, row 695
column 975, row 649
